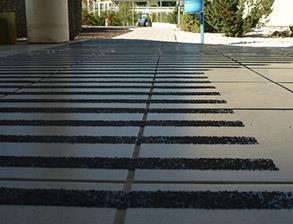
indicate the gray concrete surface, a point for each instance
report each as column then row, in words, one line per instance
column 256, row 85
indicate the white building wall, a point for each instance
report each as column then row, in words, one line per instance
column 282, row 14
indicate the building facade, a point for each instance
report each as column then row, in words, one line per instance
column 282, row 14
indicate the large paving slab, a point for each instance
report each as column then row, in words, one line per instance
column 129, row 131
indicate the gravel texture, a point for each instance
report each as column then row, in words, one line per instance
column 198, row 140
column 141, row 163
column 110, row 110
column 111, row 101
column 111, row 93
column 211, row 140
column 151, row 199
column 122, row 123
column 105, row 87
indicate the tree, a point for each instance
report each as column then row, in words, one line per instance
column 237, row 17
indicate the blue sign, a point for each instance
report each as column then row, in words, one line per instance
column 193, row 6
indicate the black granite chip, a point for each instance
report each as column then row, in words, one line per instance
column 141, row 163
column 116, row 81
column 68, row 139
column 98, row 77
column 230, row 140
column 123, row 123
column 110, row 93
column 147, row 199
column 210, row 140
column 112, row 101
column 105, row 87
column 110, row 110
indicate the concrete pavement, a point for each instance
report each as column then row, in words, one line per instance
column 169, row 33
column 131, row 131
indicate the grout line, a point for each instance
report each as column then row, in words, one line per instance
column 252, row 70
column 120, row 215
column 159, row 182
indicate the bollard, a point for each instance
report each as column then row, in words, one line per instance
column 7, row 28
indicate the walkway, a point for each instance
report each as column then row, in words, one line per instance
column 116, row 131
column 169, row 33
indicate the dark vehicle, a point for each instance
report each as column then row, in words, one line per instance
column 144, row 20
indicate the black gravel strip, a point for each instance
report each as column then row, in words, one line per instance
column 147, row 199
column 103, row 81
column 181, row 71
column 111, row 101
column 100, row 77
column 141, row 163
column 211, row 140
column 69, row 139
column 123, row 123
column 109, row 110
column 184, row 87
column 112, row 93
column 105, row 87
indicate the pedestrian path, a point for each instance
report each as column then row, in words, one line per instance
column 169, row 33
column 119, row 131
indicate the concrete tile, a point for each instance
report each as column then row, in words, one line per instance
column 215, row 216
column 58, row 174
column 72, row 116
column 194, row 131
column 255, row 95
column 276, row 74
column 67, row 150
column 290, row 86
column 90, row 131
column 233, row 75
column 62, row 185
column 191, row 116
column 212, row 187
column 57, row 215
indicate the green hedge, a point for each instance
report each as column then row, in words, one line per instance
column 7, row 28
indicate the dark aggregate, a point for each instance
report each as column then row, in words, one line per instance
column 106, row 87
column 141, row 163
column 110, row 110
column 145, row 199
column 112, row 93
column 129, row 139
column 230, row 140
column 69, row 139
column 110, row 101
column 122, row 123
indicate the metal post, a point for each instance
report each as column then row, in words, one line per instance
column 202, row 24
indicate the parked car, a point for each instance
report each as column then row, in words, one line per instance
column 144, row 20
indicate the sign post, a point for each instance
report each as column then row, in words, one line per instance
column 196, row 7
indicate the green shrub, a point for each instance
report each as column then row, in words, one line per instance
column 123, row 17
column 164, row 17
column 235, row 18
column 189, row 23
column 238, row 17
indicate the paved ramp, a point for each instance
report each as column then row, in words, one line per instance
column 119, row 131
